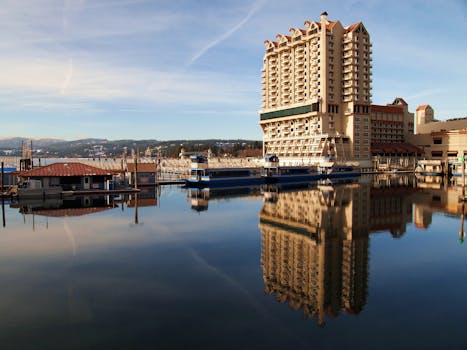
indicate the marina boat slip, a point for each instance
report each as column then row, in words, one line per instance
column 203, row 176
column 455, row 169
column 273, row 173
column 430, row 168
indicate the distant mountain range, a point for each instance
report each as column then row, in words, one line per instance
column 16, row 142
column 93, row 147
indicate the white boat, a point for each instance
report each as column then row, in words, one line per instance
column 202, row 176
column 339, row 170
column 274, row 173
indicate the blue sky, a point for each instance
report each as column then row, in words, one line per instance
column 180, row 69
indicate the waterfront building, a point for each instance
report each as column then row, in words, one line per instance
column 145, row 172
column 391, row 126
column 391, row 123
column 441, row 140
column 316, row 88
column 66, row 176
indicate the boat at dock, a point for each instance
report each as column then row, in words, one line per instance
column 333, row 170
column 274, row 173
column 202, row 176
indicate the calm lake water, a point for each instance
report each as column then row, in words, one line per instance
column 377, row 264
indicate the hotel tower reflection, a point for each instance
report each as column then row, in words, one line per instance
column 315, row 248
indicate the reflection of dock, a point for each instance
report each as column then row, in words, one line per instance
column 200, row 197
column 56, row 207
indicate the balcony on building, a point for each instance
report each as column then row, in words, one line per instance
column 300, row 83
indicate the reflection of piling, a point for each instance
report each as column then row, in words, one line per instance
column 463, row 179
column 1, row 179
column 136, row 209
column 461, row 231
column 3, row 212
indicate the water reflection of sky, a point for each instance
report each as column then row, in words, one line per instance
column 183, row 279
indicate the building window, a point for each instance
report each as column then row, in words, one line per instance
column 436, row 153
column 437, row 141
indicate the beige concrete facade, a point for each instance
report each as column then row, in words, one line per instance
column 443, row 140
column 442, row 145
column 392, row 122
column 316, row 87
column 426, row 122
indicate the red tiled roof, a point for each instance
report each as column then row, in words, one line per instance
column 328, row 26
column 387, row 109
column 352, row 27
column 331, row 24
column 66, row 169
column 422, row 107
column 70, row 211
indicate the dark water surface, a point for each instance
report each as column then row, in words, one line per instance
column 373, row 265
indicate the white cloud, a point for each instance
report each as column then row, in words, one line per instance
column 49, row 82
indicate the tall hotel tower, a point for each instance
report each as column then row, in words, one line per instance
column 316, row 87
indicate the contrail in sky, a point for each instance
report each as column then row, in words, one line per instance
column 257, row 5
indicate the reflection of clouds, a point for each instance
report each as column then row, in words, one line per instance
column 202, row 263
column 70, row 236
column 113, row 229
